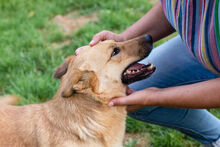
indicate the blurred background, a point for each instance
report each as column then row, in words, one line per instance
column 36, row 35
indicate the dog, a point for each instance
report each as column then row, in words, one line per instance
column 78, row 115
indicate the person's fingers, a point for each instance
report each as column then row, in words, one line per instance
column 94, row 42
column 79, row 49
column 128, row 100
column 141, row 97
column 101, row 36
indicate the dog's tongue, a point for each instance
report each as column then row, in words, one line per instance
column 136, row 66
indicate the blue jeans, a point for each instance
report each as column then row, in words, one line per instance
column 176, row 66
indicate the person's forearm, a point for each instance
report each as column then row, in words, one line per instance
column 200, row 95
column 153, row 23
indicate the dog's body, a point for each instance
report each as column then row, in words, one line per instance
column 83, row 123
column 78, row 114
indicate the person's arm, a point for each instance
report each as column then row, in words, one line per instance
column 154, row 23
column 199, row 95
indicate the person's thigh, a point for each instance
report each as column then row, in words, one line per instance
column 176, row 66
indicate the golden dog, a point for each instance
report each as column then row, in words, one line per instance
column 78, row 114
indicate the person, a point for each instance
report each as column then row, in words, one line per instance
column 187, row 78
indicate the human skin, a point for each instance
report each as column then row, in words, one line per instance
column 199, row 95
column 157, row 28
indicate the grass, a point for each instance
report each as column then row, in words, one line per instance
column 27, row 62
column 131, row 143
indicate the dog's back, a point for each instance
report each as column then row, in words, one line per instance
column 9, row 99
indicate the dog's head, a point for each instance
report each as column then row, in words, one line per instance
column 104, row 69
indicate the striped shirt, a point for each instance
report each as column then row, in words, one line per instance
column 198, row 23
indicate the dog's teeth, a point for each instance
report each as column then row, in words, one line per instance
column 151, row 66
column 128, row 71
column 138, row 70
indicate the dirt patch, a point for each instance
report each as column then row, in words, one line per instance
column 69, row 23
column 140, row 138
column 73, row 21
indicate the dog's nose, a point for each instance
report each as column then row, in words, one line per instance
column 148, row 39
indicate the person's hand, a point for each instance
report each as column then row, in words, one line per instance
column 106, row 35
column 101, row 36
column 135, row 100
column 79, row 49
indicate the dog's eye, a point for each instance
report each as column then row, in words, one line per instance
column 115, row 51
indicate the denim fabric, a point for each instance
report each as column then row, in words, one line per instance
column 176, row 66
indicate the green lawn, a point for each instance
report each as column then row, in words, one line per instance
column 27, row 62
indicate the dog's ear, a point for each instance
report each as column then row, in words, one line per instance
column 77, row 81
column 70, row 79
column 88, row 80
column 62, row 69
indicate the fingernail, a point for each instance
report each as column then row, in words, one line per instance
column 91, row 43
column 76, row 52
column 111, row 104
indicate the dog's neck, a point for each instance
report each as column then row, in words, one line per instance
column 85, row 116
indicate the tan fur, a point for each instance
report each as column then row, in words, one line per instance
column 9, row 99
column 78, row 114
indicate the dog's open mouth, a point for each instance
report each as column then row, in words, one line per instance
column 136, row 72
